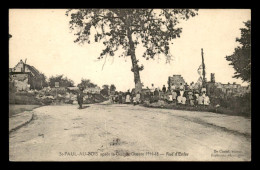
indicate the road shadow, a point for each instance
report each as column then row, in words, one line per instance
column 84, row 107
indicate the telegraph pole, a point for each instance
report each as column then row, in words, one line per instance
column 203, row 69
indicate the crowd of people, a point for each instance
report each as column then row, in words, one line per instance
column 128, row 97
column 183, row 94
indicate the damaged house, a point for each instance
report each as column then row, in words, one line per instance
column 26, row 77
column 175, row 80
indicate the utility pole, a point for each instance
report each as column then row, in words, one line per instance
column 203, row 69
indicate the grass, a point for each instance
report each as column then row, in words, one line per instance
column 23, row 99
column 15, row 109
column 210, row 108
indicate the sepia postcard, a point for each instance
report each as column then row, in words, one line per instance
column 123, row 84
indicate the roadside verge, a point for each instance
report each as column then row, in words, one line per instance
column 19, row 120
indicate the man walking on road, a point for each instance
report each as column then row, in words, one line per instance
column 80, row 97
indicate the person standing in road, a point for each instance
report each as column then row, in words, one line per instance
column 120, row 98
column 164, row 92
column 152, row 93
column 164, row 89
column 80, row 97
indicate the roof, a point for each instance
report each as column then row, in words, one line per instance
column 34, row 71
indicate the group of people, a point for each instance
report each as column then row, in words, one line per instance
column 183, row 94
column 128, row 97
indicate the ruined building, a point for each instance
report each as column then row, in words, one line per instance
column 176, row 80
column 25, row 77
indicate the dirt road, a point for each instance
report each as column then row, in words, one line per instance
column 130, row 133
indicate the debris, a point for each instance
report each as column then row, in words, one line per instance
column 40, row 134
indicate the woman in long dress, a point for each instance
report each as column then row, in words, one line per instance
column 128, row 97
column 179, row 99
column 170, row 98
column 206, row 101
column 200, row 100
column 183, row 101
column 181, row 90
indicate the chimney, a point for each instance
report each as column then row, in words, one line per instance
column 23, row 68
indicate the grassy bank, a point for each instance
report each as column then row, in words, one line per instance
column 15, row 109
column 23, row 99
column 210, row 108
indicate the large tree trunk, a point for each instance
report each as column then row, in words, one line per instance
column 137, row 79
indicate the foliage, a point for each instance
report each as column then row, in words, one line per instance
column 86, row 83
column 39, row 82
column 104, row 90
column 154, row 28
column 112, row 87
column 63, row 81
column 105, row 86
column 127, row 28
column 241, row 58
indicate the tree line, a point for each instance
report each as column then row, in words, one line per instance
column 66, row 82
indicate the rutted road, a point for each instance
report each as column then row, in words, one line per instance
column 64, row 133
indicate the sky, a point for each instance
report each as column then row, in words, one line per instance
column 43, row 37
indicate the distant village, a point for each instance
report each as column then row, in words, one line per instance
column 26, row 78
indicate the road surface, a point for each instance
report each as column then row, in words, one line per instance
column 103, row 132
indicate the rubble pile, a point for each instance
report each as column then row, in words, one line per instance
column 48, row 96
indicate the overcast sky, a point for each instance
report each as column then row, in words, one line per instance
column 44, row 38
